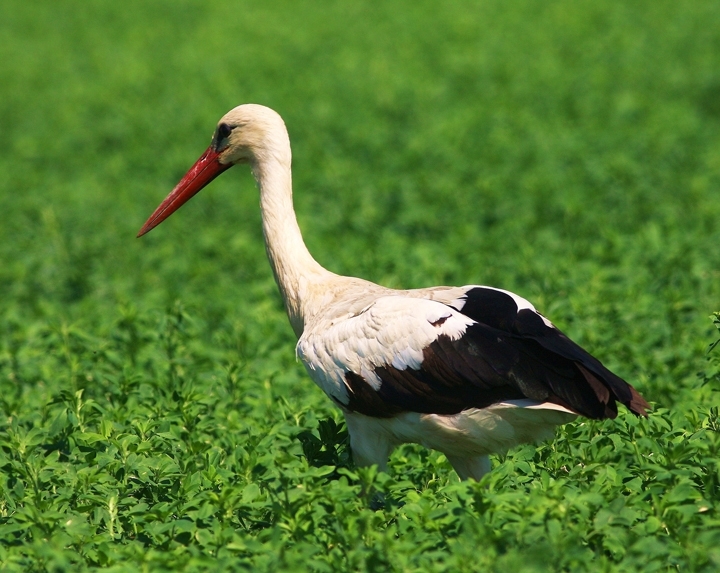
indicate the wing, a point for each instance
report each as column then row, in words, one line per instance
column 486, row 346
column 549, row 359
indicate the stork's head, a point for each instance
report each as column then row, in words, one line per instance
column 249, row 133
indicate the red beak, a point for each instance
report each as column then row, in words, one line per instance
column 207, row 168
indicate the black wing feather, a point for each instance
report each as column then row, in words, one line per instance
column 507, row 355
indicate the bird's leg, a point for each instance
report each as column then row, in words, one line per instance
column 370, row 444
column 470, row 468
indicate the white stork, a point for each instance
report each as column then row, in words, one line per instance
column 467, row 370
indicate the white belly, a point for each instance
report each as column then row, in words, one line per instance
column 472, row 432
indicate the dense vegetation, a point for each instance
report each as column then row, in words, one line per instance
column 152, row 413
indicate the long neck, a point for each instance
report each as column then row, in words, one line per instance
column 295, row 270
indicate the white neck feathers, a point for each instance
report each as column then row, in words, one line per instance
column 295, row 270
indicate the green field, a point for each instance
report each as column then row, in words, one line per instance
column 152, row 413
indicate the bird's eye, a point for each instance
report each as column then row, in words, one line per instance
column 223, row 131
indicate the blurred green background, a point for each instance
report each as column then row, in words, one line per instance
column 568, row 151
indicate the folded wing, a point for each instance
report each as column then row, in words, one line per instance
column 406, row 354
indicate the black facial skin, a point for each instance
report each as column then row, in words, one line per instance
column 222, row 133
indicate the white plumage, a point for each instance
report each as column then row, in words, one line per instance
column 465, row 370
column 394, row 329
